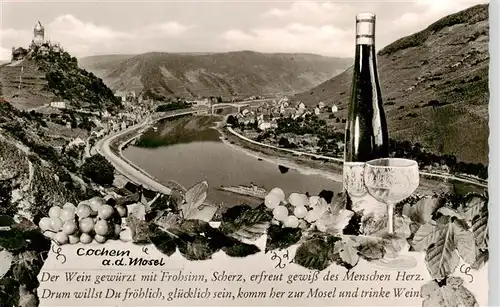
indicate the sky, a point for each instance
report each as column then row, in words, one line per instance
column 96, row 27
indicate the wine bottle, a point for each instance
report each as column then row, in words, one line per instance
column 366, row 135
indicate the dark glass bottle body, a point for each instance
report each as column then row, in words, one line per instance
column 366, row 135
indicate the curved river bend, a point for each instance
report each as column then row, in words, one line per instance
column 219, row 164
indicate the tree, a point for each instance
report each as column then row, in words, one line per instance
column 231, row 120
column 99, row 170
column 283, row 142
column 5, row 199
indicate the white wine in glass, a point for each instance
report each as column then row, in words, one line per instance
column 391, row 180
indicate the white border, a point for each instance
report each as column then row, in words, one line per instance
column 494, row 155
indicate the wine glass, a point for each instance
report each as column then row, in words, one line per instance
column 391, row 180
column 353, row 179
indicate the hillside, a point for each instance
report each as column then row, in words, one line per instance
column 100, row 64
column 33, row 174
column 217, row 74
column 434, row 85
column 48, row 74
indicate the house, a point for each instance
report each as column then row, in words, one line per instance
column 246, row 120
column 300, row 112
column 302, row 106
column 316, row 111
column 288, row 112
column 200, row 102
column 335, row 109
column 105, row 114
column 122, row 95
column 76, row 142
column 321, row 105
column 58, row 104
column 264, row 125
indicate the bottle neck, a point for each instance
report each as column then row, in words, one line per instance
column 365, row 58
column 365, row 31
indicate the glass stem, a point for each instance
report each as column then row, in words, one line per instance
column 390, row 218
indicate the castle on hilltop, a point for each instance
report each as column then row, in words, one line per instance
column 38, row 43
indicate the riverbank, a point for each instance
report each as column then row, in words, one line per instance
column 302, row 163
column 331, row 168
column 111, row 147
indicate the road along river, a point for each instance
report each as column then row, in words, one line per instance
column 209, row 159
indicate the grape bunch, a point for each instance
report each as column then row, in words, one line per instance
column 296, row 211
column 91, row 220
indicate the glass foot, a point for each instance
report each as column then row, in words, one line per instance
column 400, row 262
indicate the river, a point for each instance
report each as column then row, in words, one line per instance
column 188, row 151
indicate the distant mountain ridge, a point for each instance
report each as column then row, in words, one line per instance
column 214, row 74
column 434, row 86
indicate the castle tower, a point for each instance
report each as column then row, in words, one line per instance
column 38, row 34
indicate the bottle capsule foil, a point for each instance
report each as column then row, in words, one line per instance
column 365, row 29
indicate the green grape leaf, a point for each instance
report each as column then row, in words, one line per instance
column 480, row 229
column 6, row 259
column 128, row 200
column 370, row 248
column 240, row 249
column 13, row 240
column 334, row 223
column 422, row 211
column 317, row 211
column 197, row 240
column 339, row 204
column 316, row 253
column 26, row 269
column 354, row 226
column 194, row 208
column 27, row 298
column 137, row 210
column 190, row 229
column 450, row 212
column 281, row 238
column 243, row 222
column 394, row 244
column 204, row 212
column 163, row 202
column 450, row 294
column 140, row 230
column 25, row 224
column 481, row 258
column 194, row 197
column 347, row 250
column 425, row 236
column 197, row 249
column 9, row 292
column 167, row 220
column 163, row 241
column 376, row 225
column 441, row 256
column 465, row 243
column 6, row 222
column 474, row 205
